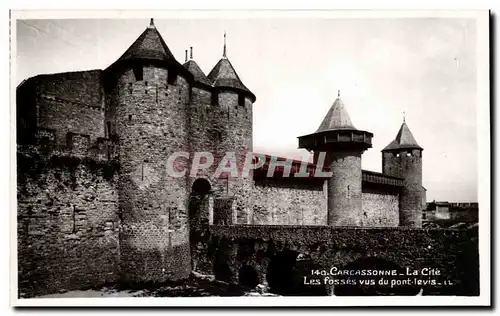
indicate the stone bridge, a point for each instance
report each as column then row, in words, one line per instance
column 296, row 260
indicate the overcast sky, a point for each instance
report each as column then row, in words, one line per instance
column 383, row 67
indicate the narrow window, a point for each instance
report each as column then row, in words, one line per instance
column 74, row 220
column 138, row 73
column 130, row 117
column 241, row 100
column 171, row 77
column 215, row 98
column 108, row 129
column 156, row 95
column 170, row 216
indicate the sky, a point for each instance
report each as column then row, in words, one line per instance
column 422, row 67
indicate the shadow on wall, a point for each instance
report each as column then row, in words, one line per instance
column 221, row 268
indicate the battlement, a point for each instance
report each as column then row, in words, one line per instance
column 380, row 178
column 77, row 146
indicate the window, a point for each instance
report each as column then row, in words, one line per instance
column 172, row 75
column 130, row 117
column 138, row 73
column 241, row 100
column 215, row 98
column 108, row 129
column 408, row 154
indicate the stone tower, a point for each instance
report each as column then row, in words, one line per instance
column 403, row 158
column 342, row 146
column 232, row 104
column 200, row 116
column 146, row 113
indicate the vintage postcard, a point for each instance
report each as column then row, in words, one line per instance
column 250, row 158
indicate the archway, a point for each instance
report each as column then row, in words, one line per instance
column 380, row 278
column 248, row 277
column 199, row 217
column 286, row 272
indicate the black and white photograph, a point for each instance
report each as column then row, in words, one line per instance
column 246, row 158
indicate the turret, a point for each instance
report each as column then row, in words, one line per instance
column 232, row 104
column 146, row 113
column 403, row 158
column 342, row 146
column 200, row 113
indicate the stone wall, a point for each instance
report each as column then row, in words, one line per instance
column 234, row 121
column 149, row 115
column 407, row 164
column 304, row 202
column 287, row 202
column 222, row 127
column 344, row 189
column 453, row 252
column 68, row 224
column 380, row 207
column 71, row 102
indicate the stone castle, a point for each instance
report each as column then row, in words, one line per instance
column 95, row 204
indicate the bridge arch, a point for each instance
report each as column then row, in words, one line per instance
column 286, row 271
column 248, row 276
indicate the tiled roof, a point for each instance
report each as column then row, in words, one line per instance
column 404, row 140
column 336, row 118
column 151, row 46
column 224, row 75
column 198, row 74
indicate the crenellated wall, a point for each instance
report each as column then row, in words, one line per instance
column 96, row 204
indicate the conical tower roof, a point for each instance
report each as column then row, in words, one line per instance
column 336, row 132
column 337, row 118
column 150, row 48
column 224, row 75
column 404, row 140
column 149, row 45
column 198, row 74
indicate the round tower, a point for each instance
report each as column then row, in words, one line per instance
column 403, row 158
column 146, row 114
column 341, row 145
column 200, row 115
column 232, row 104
